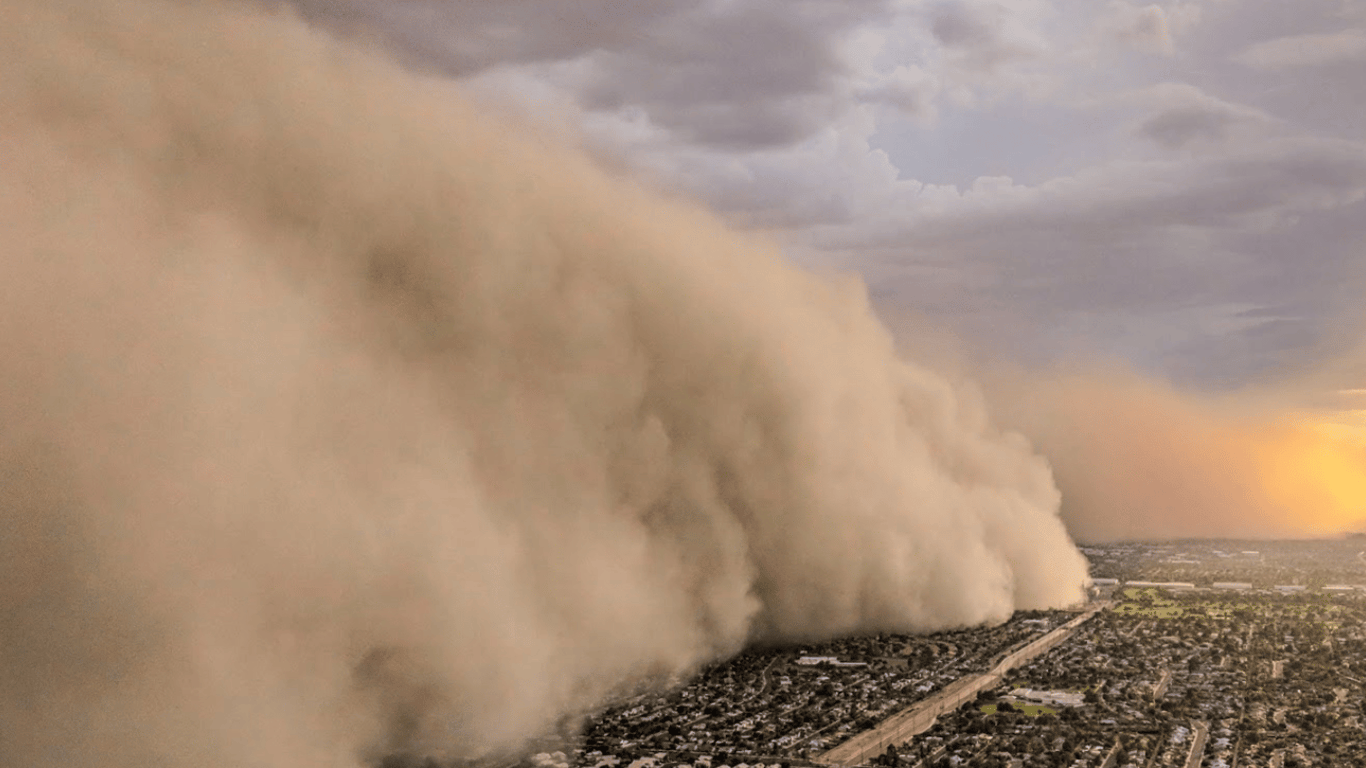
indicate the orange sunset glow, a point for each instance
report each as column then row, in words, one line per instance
column 1314, row 471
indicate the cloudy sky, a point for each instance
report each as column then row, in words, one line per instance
column 1179, row 184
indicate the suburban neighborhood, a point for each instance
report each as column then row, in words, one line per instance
column 1187, row 655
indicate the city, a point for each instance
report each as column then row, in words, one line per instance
column 1213, row 654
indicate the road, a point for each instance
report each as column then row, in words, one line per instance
column 1197, row 752
column 920, row 716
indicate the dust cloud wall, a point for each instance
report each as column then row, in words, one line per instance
column 339, row 417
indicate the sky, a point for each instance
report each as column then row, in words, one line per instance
column 1178, row 186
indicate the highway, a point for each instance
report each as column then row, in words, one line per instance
column 922, row 715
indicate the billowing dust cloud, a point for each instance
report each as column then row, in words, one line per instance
column 1138, row 458
column 339, row 418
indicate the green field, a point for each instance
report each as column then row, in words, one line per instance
column 1149, row 602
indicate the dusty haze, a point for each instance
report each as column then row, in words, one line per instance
column 339, row 418
column 1139, row 458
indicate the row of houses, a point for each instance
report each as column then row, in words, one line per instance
column 1234, row 586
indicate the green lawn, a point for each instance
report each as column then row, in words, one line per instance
column 1152, row 612
column 1149, row 602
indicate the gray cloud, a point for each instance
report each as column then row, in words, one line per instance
column 1082, row 264
column 472, row 35
column 749, row 79
column 755, row 76
column 1183, row 115
column 962, row 25
column 980, row 38
column 1308, row 50
column 734, row 77
column 910, row 90
column 1179, row 126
